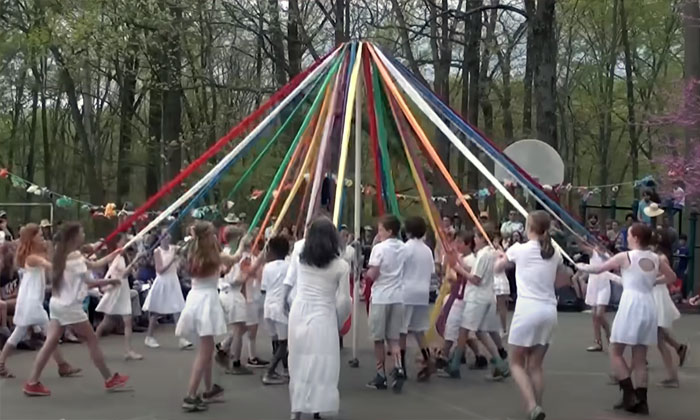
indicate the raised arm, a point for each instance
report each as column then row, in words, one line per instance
column 92, row 265
column 617, row 262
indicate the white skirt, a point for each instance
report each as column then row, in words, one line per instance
column 67, row 314
column 636, row 321
column 116, row 301
column 598, row 290
column 454, row 321
column 234, row 304
column 500, row 284
column 202, row 315
column 314, row 358
column 165, row 295
column 29, row 312
column 254, row 313
column 666, row 311
column 533, row 324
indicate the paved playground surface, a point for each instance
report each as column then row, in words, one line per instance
column 576, row 386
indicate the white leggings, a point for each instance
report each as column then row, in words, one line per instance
column 19, row 333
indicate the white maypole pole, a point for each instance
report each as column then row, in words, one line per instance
column 357, row 222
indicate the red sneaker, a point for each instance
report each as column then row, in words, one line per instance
column 115, row 382
column 36, row 390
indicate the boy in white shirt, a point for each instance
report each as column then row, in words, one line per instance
column 418, row 268
column 275, row 313
column 479, row 315
column 386, row 313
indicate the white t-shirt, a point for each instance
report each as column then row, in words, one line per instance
column 482, row 268
column 73, row 289
column 388, row 257
column 273, row 276
column 468, row 261
column 418, row 267
column 509, row 227
column 291, row 278
column 534, row 276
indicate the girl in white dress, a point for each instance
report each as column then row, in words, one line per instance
column 203, row 319
column 29, row 310
column 116, row 301
column 501, row 289
column 165, row 295
column 667, row 313
column 535, row 316
column 70, row 280
column 322, row 293
column 636, row 320
column 598, row 297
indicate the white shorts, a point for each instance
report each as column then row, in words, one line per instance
column 416, row 318
column 254, row 313
column 480, row 317
column 67, row 314
column 277, row 329
column 454, row 321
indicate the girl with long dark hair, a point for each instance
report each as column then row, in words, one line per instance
column 322, row 300
column 535, row 316
column 31, row 255
column 636, row 321
column 70, row 279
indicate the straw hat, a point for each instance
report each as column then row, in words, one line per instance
column 232, row 218
column 45, row 223
column 653, row 210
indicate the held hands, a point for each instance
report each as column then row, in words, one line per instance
column 586, row 268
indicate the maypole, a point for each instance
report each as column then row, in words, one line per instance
column 357, row 224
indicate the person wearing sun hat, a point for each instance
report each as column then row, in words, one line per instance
column 652, row 211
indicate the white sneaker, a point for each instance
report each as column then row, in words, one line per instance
column 132, row 355
column 185, row 345
column 151, row 342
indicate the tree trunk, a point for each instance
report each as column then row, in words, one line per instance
column 293, row 42
column 530, row 62
column 31, row 137
column 16, row 113
column 340, row 35
column 277, row 43
column 545, row 46
column 94, row 183
column 127, row 96
column 629, row 84
column 48, row 173
column 473, row 57
column 606, row 138
column 172, row 97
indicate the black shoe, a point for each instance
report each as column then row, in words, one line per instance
column 398, row 377
column 480, row 363
column 192, row 405
column 503, row 353
column 213, row 395
column 257, row 363
column 682, row 353
column 642, row 407
column 379, row 382
column 629, row 397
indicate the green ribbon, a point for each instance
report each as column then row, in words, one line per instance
column 380, row 110
column 271, row 142
column 307, row 119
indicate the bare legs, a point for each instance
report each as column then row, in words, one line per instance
column 669, row 363
column 64, row 368
column 599, row 322
column 202, row 366
column 252, row 335
column 85, row 332
column 502, row 309
column 526, row 368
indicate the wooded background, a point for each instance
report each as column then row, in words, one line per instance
column 105, row 100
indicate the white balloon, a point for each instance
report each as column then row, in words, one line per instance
column 540, row 160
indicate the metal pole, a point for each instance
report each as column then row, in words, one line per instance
column 690, row 276
column 358, row 209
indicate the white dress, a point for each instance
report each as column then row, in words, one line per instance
column 535, row 315
column 666, row 310
column 636, row 321
column 29, row 308
column 202, row 315
column 231, row 296
column 598, row 289
column 314, row 350
column 165, row 295
column 117, row 299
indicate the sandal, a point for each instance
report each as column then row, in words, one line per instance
column 4, row 373
column 597, row 347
